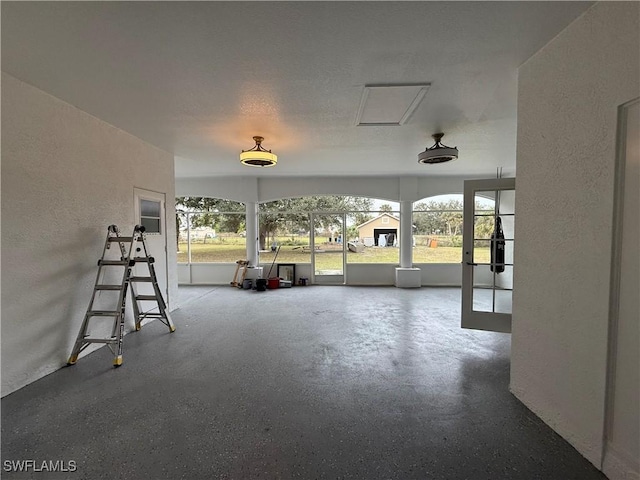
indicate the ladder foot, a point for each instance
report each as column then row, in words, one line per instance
column 117, row 361
column 172, row 329
column 72, row 360
column 138, row 327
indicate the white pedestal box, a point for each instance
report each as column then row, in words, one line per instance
column 254, row 272
column 408, row 277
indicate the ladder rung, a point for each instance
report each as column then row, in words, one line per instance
column 144, row 259
column 146, row 297
column 103, row 313
column 141, row 279
column 100, row 340
column 108, row 287
column 120, row 239
column 113, row 262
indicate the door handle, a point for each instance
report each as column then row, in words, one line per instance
column 472, row 264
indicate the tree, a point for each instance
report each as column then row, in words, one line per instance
column 483, row 224
column 215, row 214
column 293, row 213
column 207, row 204
column 385, row 207
column 452, row 217
column 432, row 217
column 439, row 217
column 287, row 215
column 211, row 217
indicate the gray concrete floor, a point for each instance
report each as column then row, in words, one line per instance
column 308, row 382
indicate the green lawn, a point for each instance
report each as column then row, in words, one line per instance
column 330, row 258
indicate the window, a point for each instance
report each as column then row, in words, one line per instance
column 284, row 227
column 150, row 215
column 376, row 235
column 213, row 230
column 210, row 230
column 286, row 223
column 437, row 228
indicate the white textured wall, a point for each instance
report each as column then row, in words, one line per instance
column 567, row 106
column 65, row 177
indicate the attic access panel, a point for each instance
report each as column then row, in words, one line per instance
column 389, row 105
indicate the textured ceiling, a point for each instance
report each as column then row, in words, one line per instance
column 199, row 79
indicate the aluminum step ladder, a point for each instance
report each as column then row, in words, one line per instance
column 125, row 259
column 158, row 309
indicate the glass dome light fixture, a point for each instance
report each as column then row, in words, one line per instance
column 258, row 156
column 438, row 153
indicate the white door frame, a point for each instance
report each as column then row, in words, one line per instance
column 492, row 321
column 621, row 428
column 161, row 268
column 328, row 279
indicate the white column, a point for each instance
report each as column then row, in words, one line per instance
column 252, row 233
column 406, row 275
column 406, row 234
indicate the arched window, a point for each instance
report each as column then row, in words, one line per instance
column 437, row 228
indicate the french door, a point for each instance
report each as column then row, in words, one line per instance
column 328, row 246
column 487, row 262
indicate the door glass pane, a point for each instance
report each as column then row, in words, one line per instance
column 328, row 262
column 482, row 276
column 481, row 251
column 152, row 225
column 149, row 208
column 505, row 279
column 482, row 300
column 485, row 202
column 507, row 202
column 503, row 301
column 483, row 226
column 494, row 301
column 508, row 226
column 150, row 214
column 508, row 252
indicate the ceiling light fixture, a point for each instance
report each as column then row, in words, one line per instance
column 439, row 153
column 258, row 156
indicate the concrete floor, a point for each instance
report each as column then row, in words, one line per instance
column 308, row 382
